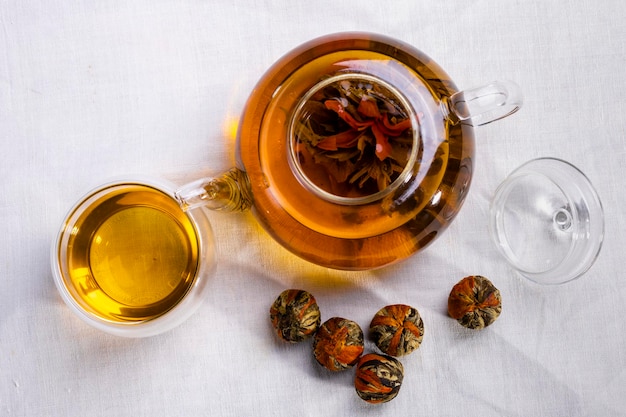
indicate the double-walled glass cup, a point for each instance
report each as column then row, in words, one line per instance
column 130, row 261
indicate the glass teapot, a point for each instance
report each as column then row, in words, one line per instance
column 354, row 151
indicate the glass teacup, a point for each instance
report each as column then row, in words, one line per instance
column 130, row 261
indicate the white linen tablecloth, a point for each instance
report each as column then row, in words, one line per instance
column 91, row 90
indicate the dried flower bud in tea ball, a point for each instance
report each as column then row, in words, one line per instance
column 397, row 329
column 295, row 315
column 474, row 302
column 378, row 378
column 338, row 344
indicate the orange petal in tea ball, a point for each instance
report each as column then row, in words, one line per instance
column 378, row 378
column 397, row 329
column 295, row 315
column 338, row 344
column 474, row 302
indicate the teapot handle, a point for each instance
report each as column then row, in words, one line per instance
column 485, row 104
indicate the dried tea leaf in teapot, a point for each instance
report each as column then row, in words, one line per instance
column 358, row 133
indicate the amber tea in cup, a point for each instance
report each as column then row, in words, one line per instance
column 130, row 261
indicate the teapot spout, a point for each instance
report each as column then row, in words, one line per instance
column 227, row 192
column 482, row 105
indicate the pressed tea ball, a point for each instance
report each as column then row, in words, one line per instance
column 474, row 302
column 295, row 315
column 378, row 378
column 397, row 329
column 338, row 344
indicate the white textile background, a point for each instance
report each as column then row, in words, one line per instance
column 96, row 89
